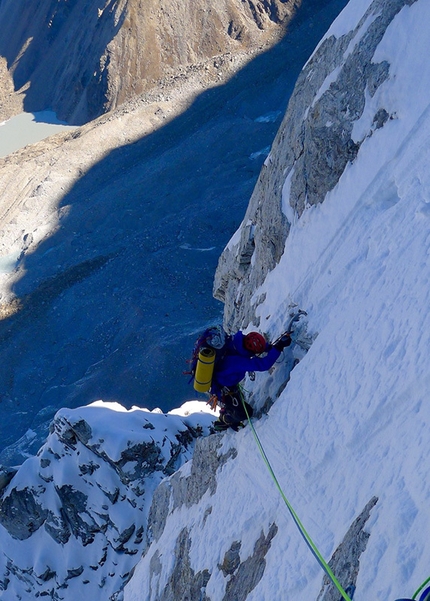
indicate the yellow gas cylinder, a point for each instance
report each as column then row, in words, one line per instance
column 204, row 370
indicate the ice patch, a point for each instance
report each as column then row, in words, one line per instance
column 235, row 239
column 360, row 34
column 331, row 78
column 286, row 207
column 28, row 128
column 200, row 250
column 269, row 117
column 263, row 152
column 9, row 262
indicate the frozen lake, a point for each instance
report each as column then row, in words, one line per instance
column 28, row 128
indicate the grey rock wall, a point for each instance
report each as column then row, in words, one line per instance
column 312, row 148
column 345, row 562
column 179, row 491
column 242, row 573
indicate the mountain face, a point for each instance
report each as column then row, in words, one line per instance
column 312, row 148
column 341, row 424
column 110, row 234
column 125, row 48
column 74, row 517
column 337, row 224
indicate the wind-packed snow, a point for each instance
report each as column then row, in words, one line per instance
column 353, row 421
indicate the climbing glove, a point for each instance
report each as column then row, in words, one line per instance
column 283, row 342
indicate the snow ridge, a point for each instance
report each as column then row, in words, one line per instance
column 73, row 519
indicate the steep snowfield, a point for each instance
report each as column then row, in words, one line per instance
column 353, row 421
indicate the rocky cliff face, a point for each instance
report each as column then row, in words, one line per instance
column 125, row 48
column 179, row 559
column 188, row 490
column 311, row 150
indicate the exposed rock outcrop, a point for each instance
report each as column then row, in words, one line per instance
column 240, row 572
column 180, row 490
column 345, row 562
column 311, row 151
column 86, row 496
column 11, row 103
column 243, row 576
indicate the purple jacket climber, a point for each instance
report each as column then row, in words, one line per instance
column 240, row 355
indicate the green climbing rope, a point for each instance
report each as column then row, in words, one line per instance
column 419, row 589
column 296, row 519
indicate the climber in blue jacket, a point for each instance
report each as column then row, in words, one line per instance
column 241, row 354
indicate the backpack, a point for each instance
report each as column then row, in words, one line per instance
column 207, row 352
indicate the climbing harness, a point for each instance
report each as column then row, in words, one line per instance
column 297, row 521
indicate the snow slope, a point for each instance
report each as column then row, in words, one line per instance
column 352, row 422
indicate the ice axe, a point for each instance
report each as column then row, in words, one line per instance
column 289, row 330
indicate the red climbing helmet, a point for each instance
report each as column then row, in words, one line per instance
column 254, row 342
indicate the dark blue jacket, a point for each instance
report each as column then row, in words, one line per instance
column 236, row 361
